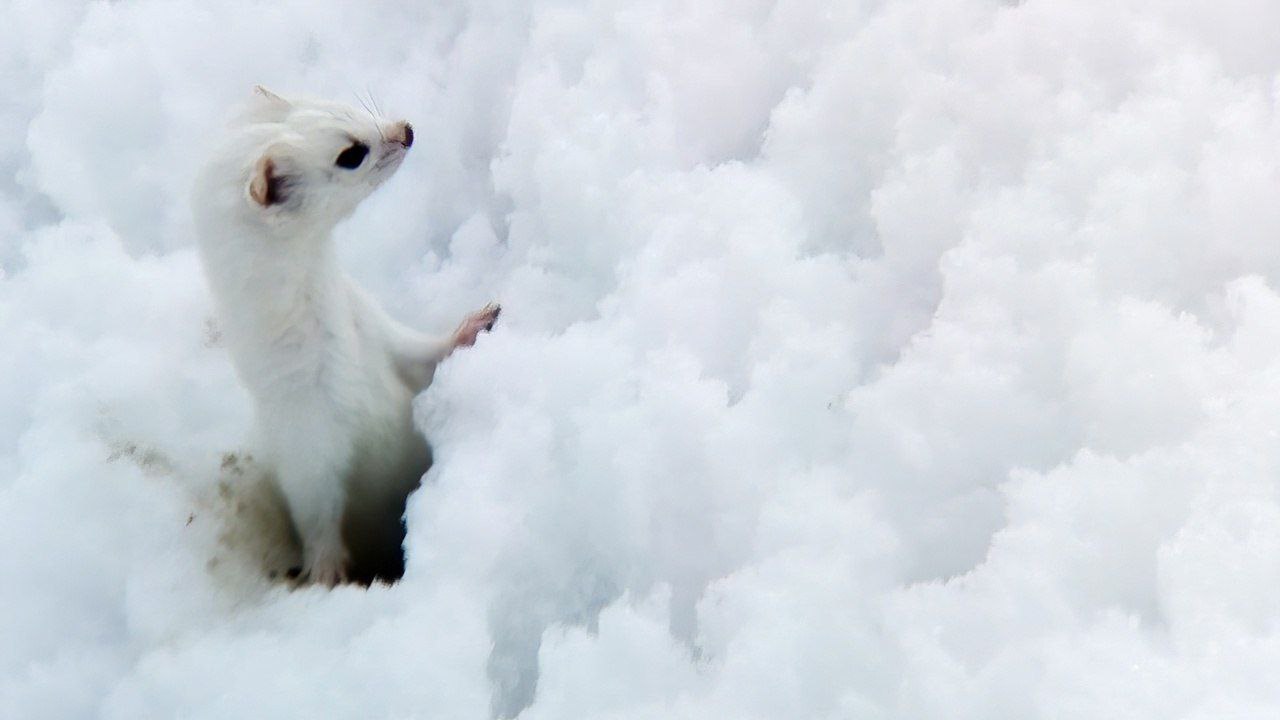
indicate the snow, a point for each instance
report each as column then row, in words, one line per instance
column 859, row 359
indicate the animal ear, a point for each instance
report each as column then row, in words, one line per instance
column 266, row 185
column 268, row 106
column 268, row 96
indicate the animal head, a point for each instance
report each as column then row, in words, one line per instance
column 313, row 162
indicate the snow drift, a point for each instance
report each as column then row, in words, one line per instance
column 867, row 359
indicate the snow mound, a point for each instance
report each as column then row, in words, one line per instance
column 873, row 358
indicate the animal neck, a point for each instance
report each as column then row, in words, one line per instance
column 269, row 278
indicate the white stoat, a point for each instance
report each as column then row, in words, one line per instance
column 331, row 375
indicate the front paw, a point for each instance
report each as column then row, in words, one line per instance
column 477, row 322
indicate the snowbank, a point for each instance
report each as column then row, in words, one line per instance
column 859, row 359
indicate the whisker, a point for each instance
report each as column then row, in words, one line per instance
column 363, row 104
column 377, row 125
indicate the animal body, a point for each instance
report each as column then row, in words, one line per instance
column 331, row 375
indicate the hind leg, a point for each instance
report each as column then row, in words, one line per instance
column 324, row 556
column 310, row 474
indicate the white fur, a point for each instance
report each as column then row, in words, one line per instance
column 332, row 376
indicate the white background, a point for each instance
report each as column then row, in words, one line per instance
column 859, row 359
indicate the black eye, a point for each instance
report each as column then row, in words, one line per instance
column 352, row 156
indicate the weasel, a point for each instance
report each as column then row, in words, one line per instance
column 331, row 375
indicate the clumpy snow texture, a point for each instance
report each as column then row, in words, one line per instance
column 860, row 359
